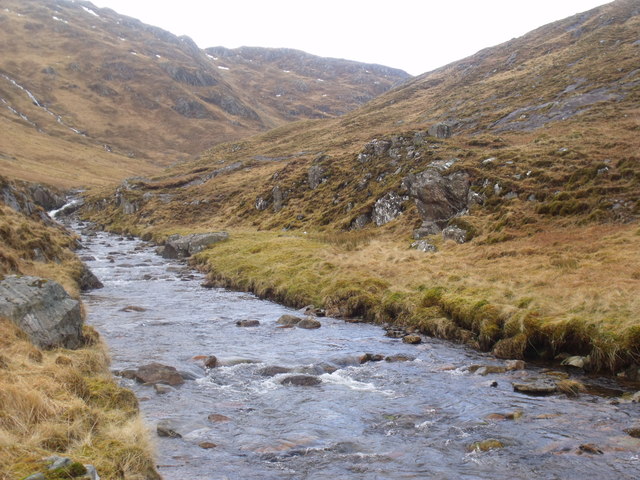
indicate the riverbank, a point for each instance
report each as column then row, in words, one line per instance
column 543, row 296
column 66, row 402
column 60, row 402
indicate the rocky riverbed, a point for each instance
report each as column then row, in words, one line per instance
column 249, row 394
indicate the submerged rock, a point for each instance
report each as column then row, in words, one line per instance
column 272, row 371
column 301, row 381
column 308, row 323
column 168, row 428
column 399, row 358
column 43, row 310
column 412, row 339
column 158, row 373
column 288, row 320
column 485, row 445
column 540, row 386
column 248, row 323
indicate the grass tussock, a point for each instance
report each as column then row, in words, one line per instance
column 65, row 402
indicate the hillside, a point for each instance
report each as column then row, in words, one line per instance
column 516, row 170
column 89, row 96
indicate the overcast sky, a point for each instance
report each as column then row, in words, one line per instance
column 414, row 35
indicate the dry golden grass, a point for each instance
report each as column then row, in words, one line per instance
column 66, row 403
column 21, row 237
column 538, row 295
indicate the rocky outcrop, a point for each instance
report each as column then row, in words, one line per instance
column 316, row 176
column 387, row 208
column 43, row 310
column 440, row 130
column 438, row 197
column 182, row 246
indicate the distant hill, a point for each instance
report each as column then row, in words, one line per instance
column 543, row 124
column 88, row 95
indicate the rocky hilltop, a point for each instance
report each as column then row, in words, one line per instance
column 514, row 172
column 97, row 95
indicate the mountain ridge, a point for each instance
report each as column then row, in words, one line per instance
column 134, row 95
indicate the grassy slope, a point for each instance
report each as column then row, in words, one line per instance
column 123, row 84
column 62, row 402
column 536, row 279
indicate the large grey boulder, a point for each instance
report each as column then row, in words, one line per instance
column 180, row 246
column 44, row 310
column 438, row 197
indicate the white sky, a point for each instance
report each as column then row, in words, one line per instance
column 414, row 35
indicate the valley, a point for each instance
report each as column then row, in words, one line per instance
column 487, row 210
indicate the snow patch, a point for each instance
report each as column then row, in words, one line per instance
column 222, row 68
column 286, row 71
column 319, row 80
column 59, row 19
column 158, row 56
column 90, row 12
column 278, row 95
column 133, row 53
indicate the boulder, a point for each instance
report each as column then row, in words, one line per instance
column 427, row 228
column 440, row 130
column 371, row 357
column 308, row 323
column 88, row 280
column 181, row 246
column 301, row 381
column 412, row 339
column 153, row 373
column 438, row 197
column 288, row 320
column 43, row 310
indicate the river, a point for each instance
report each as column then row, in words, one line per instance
column 377, row 420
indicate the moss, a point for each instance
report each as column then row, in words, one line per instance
column 73, row 470
column 104, row 393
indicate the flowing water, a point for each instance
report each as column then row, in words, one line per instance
column 377, row 420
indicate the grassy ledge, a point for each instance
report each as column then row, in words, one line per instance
column 531, row 297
